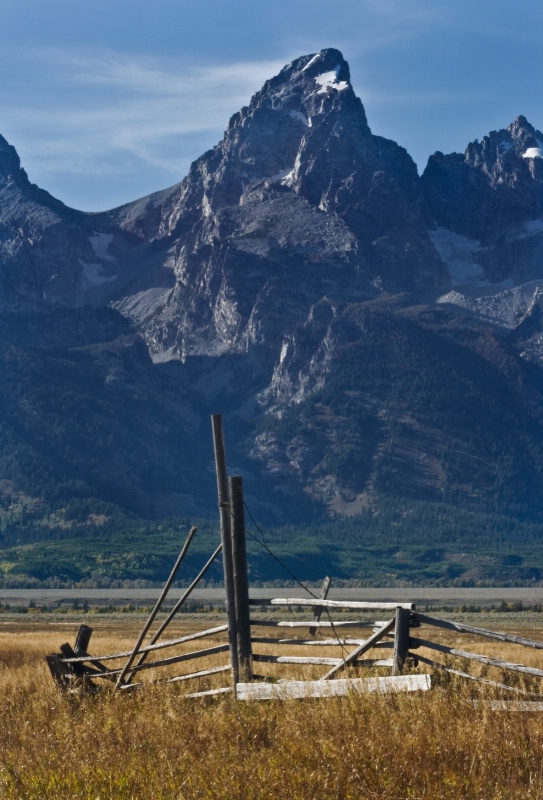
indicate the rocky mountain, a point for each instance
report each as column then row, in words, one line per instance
column 487, row 212
column 369, row 334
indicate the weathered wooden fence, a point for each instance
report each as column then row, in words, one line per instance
column 387, row 646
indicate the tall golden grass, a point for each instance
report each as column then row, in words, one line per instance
column 156, row 745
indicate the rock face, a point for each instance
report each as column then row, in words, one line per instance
column 494, row 194
column 298, row 201
column 289, row 281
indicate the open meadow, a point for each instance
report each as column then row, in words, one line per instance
column 154, row 743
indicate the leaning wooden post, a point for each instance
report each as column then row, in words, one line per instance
column 241, row 580
column 226, row 537
column 401, row 640
column 156, row 609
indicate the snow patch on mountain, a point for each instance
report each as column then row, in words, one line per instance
column 533, row 152
column 100, row 243
column 311, row 62
column 459, row 254
column 329, row 80
column 93, row 275
column 301, row 117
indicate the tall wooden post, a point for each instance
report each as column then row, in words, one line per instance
column 226, row 537
column 241, row 580
column 401, row 640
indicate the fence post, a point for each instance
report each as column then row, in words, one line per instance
column 318, row 611
column 226, row 538
column 401, row 640
column 241, row 580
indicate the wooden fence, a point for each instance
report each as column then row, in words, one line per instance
column 386, row 646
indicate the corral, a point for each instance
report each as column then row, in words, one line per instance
column 75, row 668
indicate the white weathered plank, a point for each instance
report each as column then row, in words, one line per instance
column 269, row 623
column 316, row 642
column 268, row 659
column 287, row 690
column 362, row 604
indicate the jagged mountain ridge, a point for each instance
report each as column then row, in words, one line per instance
column 257, row 283
column 300, row 153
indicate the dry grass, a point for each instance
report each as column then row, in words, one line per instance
column 155, row 744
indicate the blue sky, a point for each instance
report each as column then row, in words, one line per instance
column 109, row 100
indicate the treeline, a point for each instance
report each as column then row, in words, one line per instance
column 417, row 543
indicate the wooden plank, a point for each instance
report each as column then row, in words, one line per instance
column 302, row 601
column 173, row 660
column 201, row 674
column 151, row 648
column 324, row 661
column 493, row 662
column 316, row 642
column 58, row 671
column 463, row 628
column 401, row 640
column 269, row 623
column 268, row 659
column 374, row 662
column 82, row 640
column 467, row 675
column 336, row 688
column 184, row 657
column 360, row 649
column 208, row 693
column 77, row 669
column 319, row 609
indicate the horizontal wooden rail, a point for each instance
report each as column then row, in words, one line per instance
column 302, row 601
column 286, row 690
column 167, row 661
column 462, row 628
column 208, row 693
column 267, row 659
column 150, row 648
column 332, row 662
column 310, row 623
column 461, row 674
column 315, row 642
column 221, row 648
column 201, row 674
column 493, row 662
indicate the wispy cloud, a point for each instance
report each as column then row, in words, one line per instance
column 84, row 105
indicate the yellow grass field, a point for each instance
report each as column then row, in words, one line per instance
column 155, row 744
